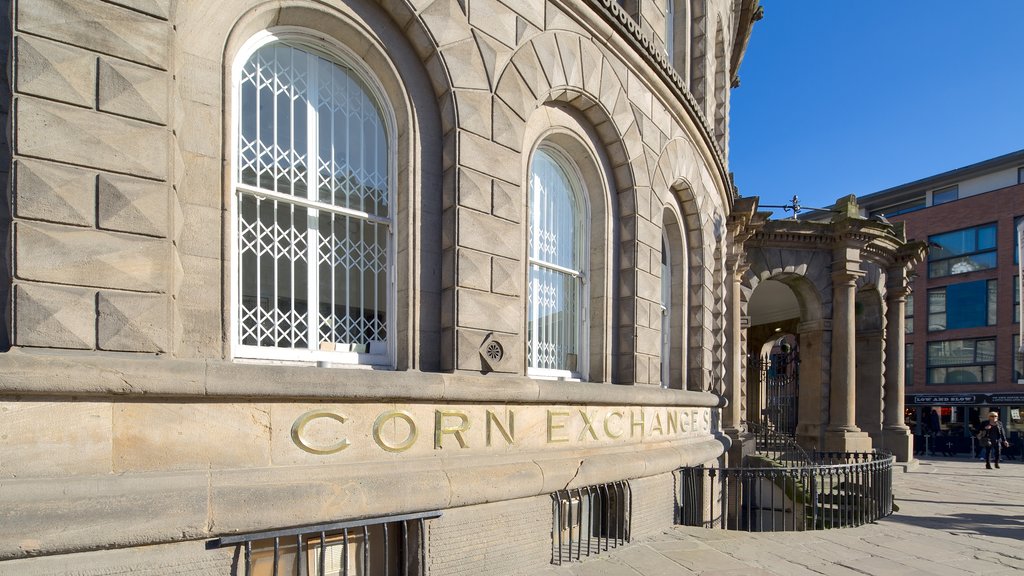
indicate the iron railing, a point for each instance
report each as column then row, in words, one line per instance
column 589, row 520
column 389, row 545
column 780, row 447
column 836, row 490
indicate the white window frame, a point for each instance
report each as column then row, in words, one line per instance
column 337, row 52
column 572, row 171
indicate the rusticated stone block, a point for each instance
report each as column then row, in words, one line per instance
column 167, row 436
column 474, row 269
column 489, row 234
column 54, row 439
column 54, row 317
column 132, row 90
column 84, row 137
column 54, row 192
column 486, row 311
column 55, row 71
column 98, row 26
column 59, row 254
column 130, row 322
column 507, row 356
column 133, row 205
column 507, row 201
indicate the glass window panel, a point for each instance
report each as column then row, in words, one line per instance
column 985, row 351
column 1018, row 359
column 908, row 364
column 555, row 283
column 281, row 246
column 987, row 237
column 991, row 302
column 937, row 309
column 966, row 304
column 1016, row 299
column 945, row 195
column 908, row 314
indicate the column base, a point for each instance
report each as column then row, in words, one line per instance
column 847, row 441
column 743, row 444
column 898, row 442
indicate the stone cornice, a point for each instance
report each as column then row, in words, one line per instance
column 66, row 373
column 630, row 31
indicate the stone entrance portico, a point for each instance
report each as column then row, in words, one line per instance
column 848, row 276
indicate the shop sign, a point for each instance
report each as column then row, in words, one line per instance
column 945, row 399
column 1009, row 398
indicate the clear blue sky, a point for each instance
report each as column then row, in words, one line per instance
column 853, row 97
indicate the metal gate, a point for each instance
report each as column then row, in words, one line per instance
column 777, row 378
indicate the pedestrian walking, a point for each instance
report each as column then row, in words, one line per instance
column 993, row 436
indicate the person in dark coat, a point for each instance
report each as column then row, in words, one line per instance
column 995, row 434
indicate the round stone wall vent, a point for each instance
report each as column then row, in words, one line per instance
column 494, row 351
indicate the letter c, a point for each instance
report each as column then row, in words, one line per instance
column 300, row 426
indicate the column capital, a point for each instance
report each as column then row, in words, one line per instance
column 847, row 275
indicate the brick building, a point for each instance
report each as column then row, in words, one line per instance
column 962, row 325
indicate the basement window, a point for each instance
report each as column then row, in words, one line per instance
column 589, row 520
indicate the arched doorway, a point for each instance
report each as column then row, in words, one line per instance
column 773, row 357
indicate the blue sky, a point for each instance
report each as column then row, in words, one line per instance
column 852, row 97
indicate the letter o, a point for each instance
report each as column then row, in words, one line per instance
column 404, row 444
column 300, row 426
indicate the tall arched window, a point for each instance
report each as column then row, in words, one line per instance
column 666, row 314
column 313, row 216
column 556, row 301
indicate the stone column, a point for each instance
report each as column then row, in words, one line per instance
column 732, row 416
column 843, row 434
column 813, row 347
column 896, row 436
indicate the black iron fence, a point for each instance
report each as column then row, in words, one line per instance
column 590, row 520
column 389, row 546
column 777, row 377
column 781, row 448
column 835, row 490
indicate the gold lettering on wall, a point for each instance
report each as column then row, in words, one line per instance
column 552, row 426
column 588, row 426
column 440, row 429
column 402, row 446
column 300, row 426
column 509, row 433
column 634, row 424
column 657, row 427
column 608, row 419
column 672, row 422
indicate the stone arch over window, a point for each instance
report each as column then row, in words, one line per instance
column 721, row 90
column 680, row 184
column 582, row 83
column 566, row 170
column 699, row 52
column 363, row 40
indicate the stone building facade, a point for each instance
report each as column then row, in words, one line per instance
column 290, row 263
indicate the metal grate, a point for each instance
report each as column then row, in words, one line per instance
column 388, row 546
column 589, row 520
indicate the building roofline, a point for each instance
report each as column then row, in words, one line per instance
column 917, row 187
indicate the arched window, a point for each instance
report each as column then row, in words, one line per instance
column 556, row 301
column 666, row 313
column 313, row 208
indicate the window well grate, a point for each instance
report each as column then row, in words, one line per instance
column 388, row 546
column 589, row 520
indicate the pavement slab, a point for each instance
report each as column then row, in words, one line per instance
column 956, row 518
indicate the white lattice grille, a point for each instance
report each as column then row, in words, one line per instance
column 556, row 275
column 313, row 243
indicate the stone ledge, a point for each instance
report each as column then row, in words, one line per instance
column 52, row 372
column 59, row 516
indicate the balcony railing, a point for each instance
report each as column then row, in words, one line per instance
column 834, row 490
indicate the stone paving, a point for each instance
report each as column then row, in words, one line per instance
column 955, row 518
